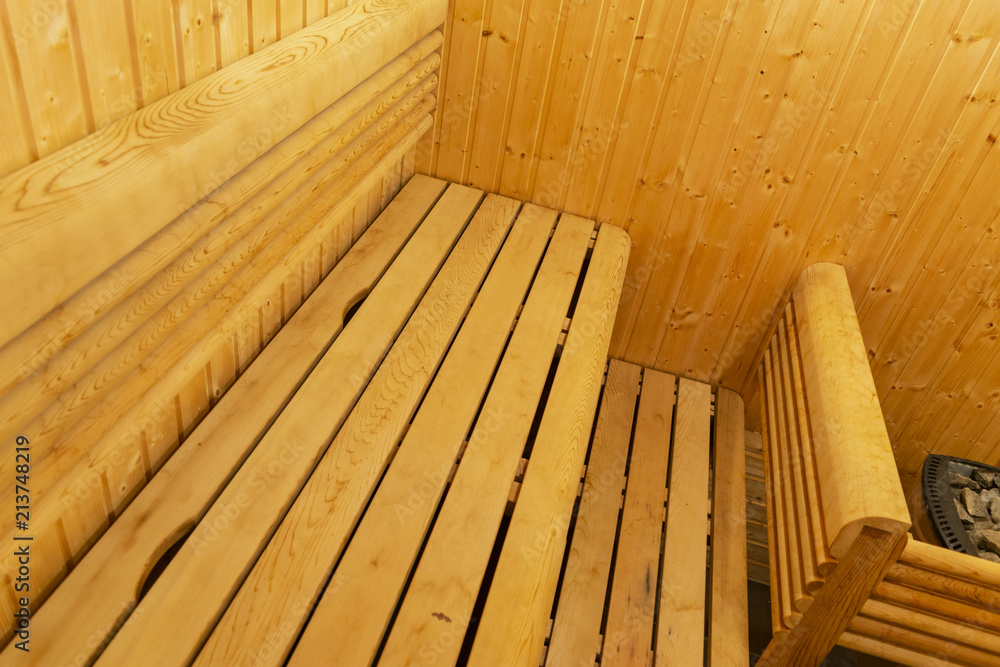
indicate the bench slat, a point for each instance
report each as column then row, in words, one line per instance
column 448, row 576
column 515, row 618
column 576, row 633
column 367, row 583
column 277, row 596
column 117, row 564
column 729, row 635
column 213, row 561
column 681, row 635
column 629, row 634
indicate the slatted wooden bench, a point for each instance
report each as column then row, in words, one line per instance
column 634, row 586
column 843, row 567
column 404, row 483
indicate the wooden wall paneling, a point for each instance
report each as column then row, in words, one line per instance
column 844, row 117
column 542, row 36
column 932, row 345
column 947, row 412
column 194, row 402
column 657, row 57
column 686, row 188
column 156, row 50
column 265, row 23
column 291, row 15
column 699, row 37
column 375, row 196
column 271, row 315
column 922, row 237
column 343, row 238
column 961, row 264
column 623, row 37
column 934, row 119
column 959, row 255
column 247, row 340
column 312, row 271
column 503, row 35
column 574, row 66
column 391, row 185
column 222, row 370
column 314, row 10
column 44, row 33
column 715, row 283
column 106, row 54
column 292, row 293
column 408, row 167
column 359, row 217
column 427, row 148
column 197, row 39
column 232, row 21
column 16, row 137
column 459, row 92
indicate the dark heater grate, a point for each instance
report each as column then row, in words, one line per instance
column 939, row 497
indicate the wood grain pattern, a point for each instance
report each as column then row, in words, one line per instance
column 680, row 637
column 298, row 558
column 372, row 573
column 46, row 207
column 107, row 350
column 577, row 628
column 32, row 351
column 849, row 436
column 515, row 617
column 256, row 284
column 158, row 513
column 629, row 631
column 729, row 636
column 738, row 143
column 299, row 443
column 840, row 599
column 447, row 580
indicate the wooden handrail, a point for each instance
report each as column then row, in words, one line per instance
column 857, row 480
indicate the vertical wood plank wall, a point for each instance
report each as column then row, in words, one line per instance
column 740, row 140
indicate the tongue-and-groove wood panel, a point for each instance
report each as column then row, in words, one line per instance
column 738, row 141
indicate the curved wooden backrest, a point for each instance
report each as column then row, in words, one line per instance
column 858, row 484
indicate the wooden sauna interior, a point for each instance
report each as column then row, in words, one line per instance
column 737, row 142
